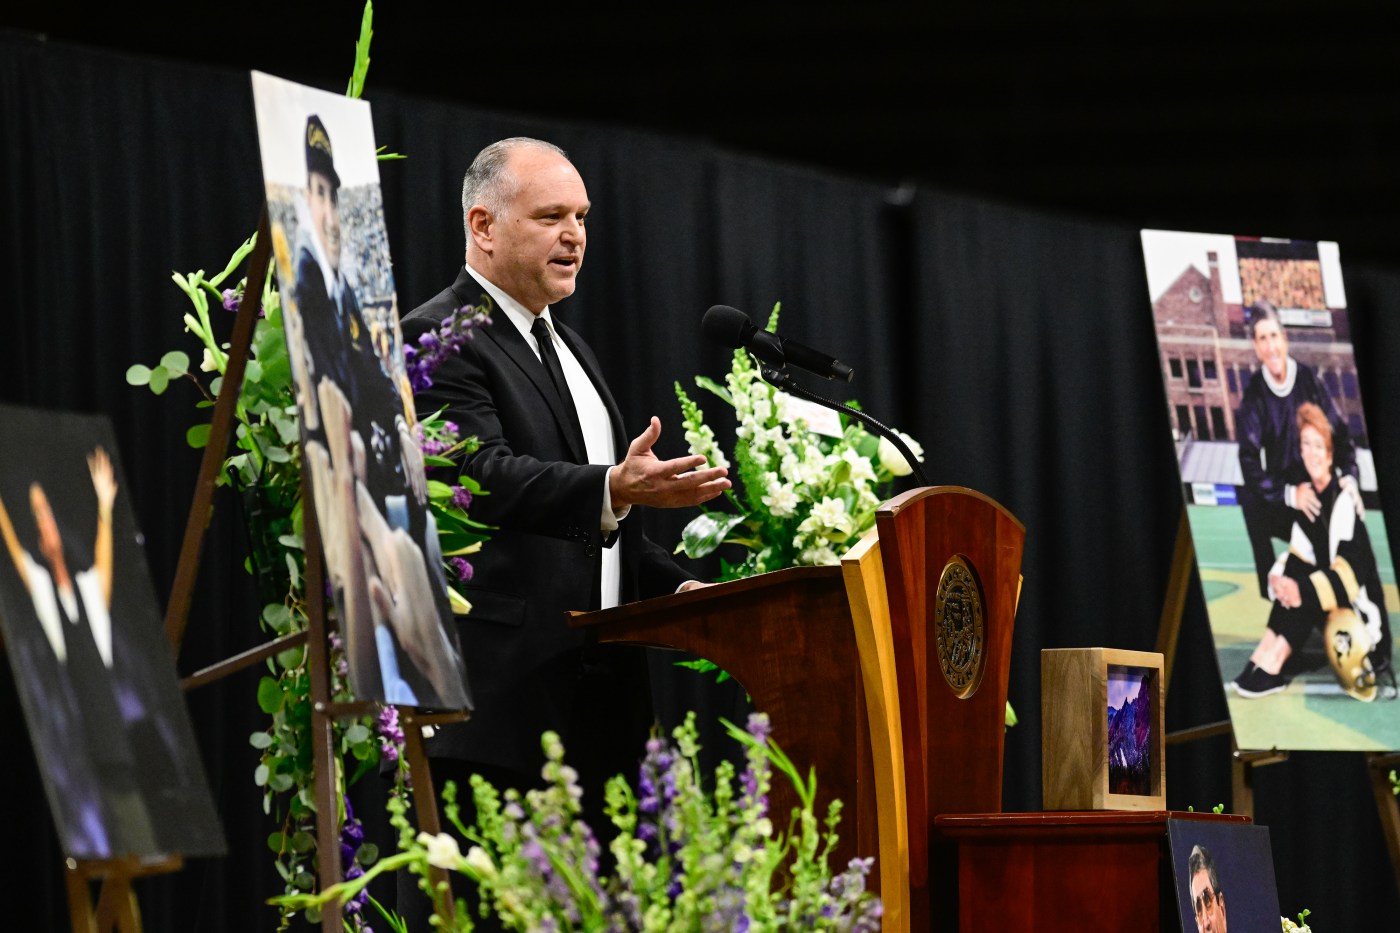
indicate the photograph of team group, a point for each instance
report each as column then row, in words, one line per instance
column 1280, row 486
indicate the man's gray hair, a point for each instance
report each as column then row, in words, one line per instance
column 1200, row 860
column 488, row 183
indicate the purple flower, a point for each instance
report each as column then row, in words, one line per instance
column 461, row 497
column 391, row 736
column 231, row 299
column 462, row 569
column 435, row 347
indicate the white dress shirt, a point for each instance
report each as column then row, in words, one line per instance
column 599, row 443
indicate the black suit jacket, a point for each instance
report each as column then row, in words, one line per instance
column 528, row 670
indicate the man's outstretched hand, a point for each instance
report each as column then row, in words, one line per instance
column 642, row 479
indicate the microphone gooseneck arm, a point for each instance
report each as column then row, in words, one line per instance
column 782, row 379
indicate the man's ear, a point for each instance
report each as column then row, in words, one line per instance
column 482, row 225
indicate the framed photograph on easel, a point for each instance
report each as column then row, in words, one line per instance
column 1279, row 486
column 383, row 563
column 83, row 635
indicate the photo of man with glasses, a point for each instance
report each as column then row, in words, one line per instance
column 1207, row 898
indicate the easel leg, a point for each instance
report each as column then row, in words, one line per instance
column 1241, row 787
column 425, row 798
column 322, row 718
column 1387, row 805
column 1174, row 603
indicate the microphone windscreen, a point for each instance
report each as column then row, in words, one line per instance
column 727, row 326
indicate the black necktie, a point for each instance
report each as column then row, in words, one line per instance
column 540, row 331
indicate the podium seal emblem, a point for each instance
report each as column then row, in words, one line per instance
column 958, row 627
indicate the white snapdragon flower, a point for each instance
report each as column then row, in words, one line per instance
column 762, row 409
column 861, row 469
column 479, row 862
column 831, row 513
column 892, row 460
column 207, row 364
column 812, row 469
column 788, row 467
column 782, row 406
column 442, row 850
column 782, row 500
column 822, row 556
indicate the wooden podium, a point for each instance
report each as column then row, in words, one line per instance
column 887, row 674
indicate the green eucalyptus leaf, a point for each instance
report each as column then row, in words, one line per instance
column 260, row 775
column 160, row 381
column 357, row 733
column 278, row 454
column 138, row 375
column 260, row 740
column 276, row 842
column 269, row 695
column 277, row 616
column 177, row 362
column 291, row 658
column 197, row 436
column 303, row 842
column 280, row 783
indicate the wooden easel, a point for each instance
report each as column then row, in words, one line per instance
column 115, row 907
column 324, row 711
column 1243, row 761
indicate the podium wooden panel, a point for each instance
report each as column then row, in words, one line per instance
column 1073, row 871
column 787, row 638
column 846, row 662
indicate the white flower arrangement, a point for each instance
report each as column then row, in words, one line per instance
column 806, row 490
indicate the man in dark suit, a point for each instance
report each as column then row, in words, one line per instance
column 563, row 482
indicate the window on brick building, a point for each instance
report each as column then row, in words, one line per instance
column 1183, row 420
column 1217, row 423
column 1202, row 427
column 1174, row 365
column 1193, row 374
column 1211, row 374
column 1349, row 387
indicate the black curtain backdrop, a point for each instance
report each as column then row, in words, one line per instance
column 1017, row 347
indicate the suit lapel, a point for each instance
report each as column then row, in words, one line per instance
column 504, row 333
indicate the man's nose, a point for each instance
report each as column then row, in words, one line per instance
column 572, row 232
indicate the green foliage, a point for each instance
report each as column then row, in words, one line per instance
column 685, row 856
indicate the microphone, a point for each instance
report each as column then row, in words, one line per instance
column 732, row 328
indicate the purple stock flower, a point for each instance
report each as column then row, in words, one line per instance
column 436, row 346
column 462, row 569
column 461, row 497
column 391, row 736
column 233, row 297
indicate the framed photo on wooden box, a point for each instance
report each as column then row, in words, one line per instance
column 1102, row 730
